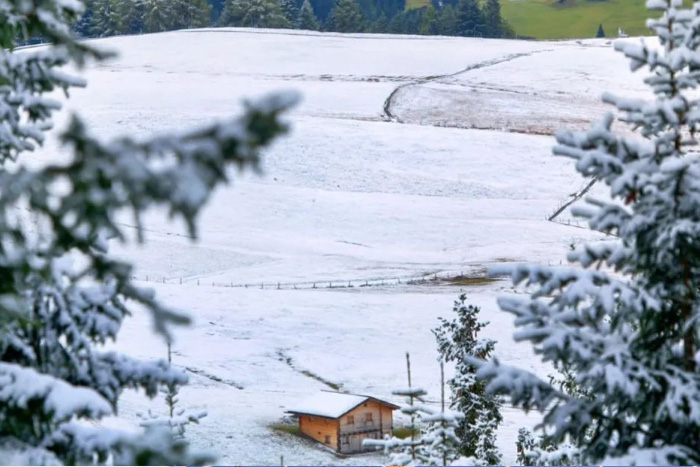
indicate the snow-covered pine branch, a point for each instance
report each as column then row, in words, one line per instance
column 61, row 292
column 630, row 340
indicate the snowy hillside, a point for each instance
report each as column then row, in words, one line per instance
column 379, row 179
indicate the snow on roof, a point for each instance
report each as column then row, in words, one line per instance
column 329, row 404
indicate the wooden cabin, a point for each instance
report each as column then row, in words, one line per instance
column 341, row 421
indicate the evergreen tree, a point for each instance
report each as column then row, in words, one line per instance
column 380, row 25
column 190, row 14
column 347, row 16
column 493, row 26
column 158, row 15
column 177, row 419
column 396, row 25
column 113, row 17
column 447, row 21
column 216, row 7
column 600, row 32
column 291, row 10
column 470, row 20
column 456, row 339
column 629, row 338
column 254, row 14
column 429, row 23
column 63, row 295
column 307, row 20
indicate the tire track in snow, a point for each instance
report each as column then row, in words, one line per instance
column 487, row 63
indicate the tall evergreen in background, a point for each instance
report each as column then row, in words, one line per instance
column 448, row 24
column 624, row 318
column 347, row 17
column 291, row 9
column 307, row 19
column 254, row 14
column 600, row 32
column 470, row 19
column 493, row 26
column 115, row 17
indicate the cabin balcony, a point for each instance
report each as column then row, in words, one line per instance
column 360, row 427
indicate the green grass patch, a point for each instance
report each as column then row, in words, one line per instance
column 410, row 4
column 403, row 432
column 568, row 19
column 470, row 280
column 289, row 428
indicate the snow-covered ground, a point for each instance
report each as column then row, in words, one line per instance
column 350, row 194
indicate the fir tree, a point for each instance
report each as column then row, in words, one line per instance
column 190, row 14
column 600, row 32
column 307, row 19
column 447, row 21
column 470, row 20
column 429, row 23
column 493, row 26
column 629, row 338
column 177, row 419
column 347, row 16
column 456, row 339
column 291, row 9
column 254, row 14
column 158, row 15
column 55, row 373
column 113, row 17
column 380, row 25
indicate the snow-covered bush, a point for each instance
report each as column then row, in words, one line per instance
column 61, row 293
column 625, row 322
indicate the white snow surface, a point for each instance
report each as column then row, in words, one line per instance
column 350, row 194
column 328, row 404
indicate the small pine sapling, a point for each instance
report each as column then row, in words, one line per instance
column 456, row 339
column 177, row 419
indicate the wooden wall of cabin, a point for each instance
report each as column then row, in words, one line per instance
column 323, row 430
column 357, row 419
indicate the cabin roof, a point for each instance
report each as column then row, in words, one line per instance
column 332, row 404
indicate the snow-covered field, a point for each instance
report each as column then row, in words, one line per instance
column 350, row 194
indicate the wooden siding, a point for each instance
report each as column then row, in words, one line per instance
column 360, row 421
column 387, row 421
column 319, row 428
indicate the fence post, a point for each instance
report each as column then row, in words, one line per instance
column 197, row 281
column 181, row 281
column 314, row 286
column 262, row 285
column 278, row 286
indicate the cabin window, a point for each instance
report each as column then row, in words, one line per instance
column 368, row 417
column 351, row 419
column 345, row 440
column 328, row 439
